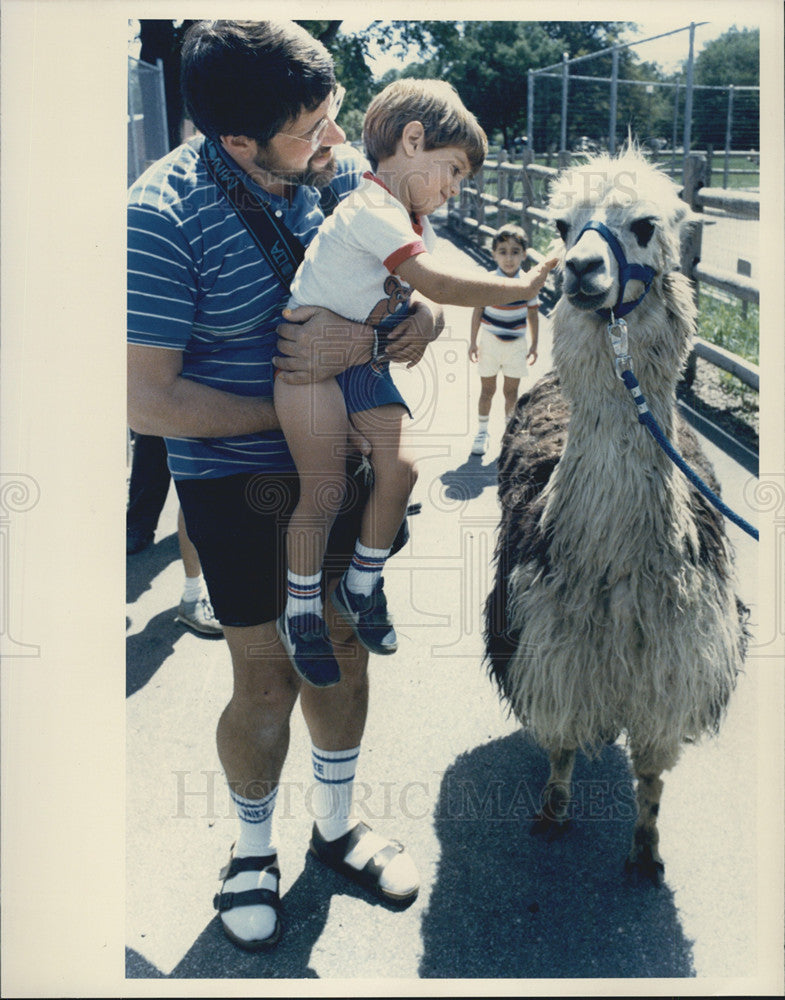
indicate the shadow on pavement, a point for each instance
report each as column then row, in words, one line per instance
column 137, row 967
column 306, row 906
column 506, row 904
column 470, row 479
column 142, row 568
column 146, row 651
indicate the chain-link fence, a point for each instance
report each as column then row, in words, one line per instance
column 148, row 137
column 669, row 118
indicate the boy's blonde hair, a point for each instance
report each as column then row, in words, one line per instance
column 433, row 103
column 509, row 232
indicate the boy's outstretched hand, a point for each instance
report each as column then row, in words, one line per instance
column 538, row 275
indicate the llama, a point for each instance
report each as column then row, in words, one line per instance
column 613, row 609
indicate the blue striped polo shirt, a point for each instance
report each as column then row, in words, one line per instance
column 197, row 283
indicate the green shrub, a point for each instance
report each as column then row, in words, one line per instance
column 725, row 324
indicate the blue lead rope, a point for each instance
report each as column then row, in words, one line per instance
column 646, row 417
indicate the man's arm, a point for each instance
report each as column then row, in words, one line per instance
column 163, row 403
column 315, row 344
column 408, row 341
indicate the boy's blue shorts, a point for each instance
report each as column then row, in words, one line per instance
column 365, row 387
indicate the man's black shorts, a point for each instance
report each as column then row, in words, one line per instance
column 238, row 525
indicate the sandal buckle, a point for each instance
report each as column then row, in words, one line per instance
column 223, row 901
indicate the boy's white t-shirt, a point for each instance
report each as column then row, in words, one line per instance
column 348, row 266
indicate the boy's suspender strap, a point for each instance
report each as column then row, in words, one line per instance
column 280, row 247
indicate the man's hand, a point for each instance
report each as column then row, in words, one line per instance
column 315, row 344
column 407, row 342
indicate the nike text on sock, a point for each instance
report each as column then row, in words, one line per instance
column 333, row 772
column 255, row 819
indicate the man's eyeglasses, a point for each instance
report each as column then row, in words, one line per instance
column 314, row 136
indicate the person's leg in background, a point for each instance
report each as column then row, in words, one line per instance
column 147, row 491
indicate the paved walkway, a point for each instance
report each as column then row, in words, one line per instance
column 445, row 770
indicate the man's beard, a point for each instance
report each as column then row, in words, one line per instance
column 315, row 177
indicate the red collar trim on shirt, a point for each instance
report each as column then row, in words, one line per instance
column 415, row 219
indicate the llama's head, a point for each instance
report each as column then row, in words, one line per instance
column 640, row 207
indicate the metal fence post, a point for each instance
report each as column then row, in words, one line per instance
column 727, row 137
column 527, row 195
column 530, row 110
column 688, row 99
column 564, row 89
column 162, row 91
column 614, row 101
column 501, row 190
column 134, row 167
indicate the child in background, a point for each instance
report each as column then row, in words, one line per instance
column 502, row 330
column 364, row 263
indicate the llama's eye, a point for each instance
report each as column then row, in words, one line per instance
column 643, row 230
column 562, row 228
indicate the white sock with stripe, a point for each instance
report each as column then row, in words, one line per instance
column 333, row 772
column 304, row 595
column 332, row 806
column 255, row 818
column 365, row 569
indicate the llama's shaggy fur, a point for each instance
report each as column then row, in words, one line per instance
column 613, row 608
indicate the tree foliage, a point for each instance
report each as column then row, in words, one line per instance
column 733, row 58
column 488, row 63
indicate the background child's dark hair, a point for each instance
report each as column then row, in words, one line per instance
column 509, row 232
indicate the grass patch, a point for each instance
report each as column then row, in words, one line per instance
column 725, row 324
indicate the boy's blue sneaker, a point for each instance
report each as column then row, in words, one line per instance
column 308, row 646
column 368, row 617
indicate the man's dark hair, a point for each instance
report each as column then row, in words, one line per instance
column 252, row 77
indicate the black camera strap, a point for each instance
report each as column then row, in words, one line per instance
column 279, row 246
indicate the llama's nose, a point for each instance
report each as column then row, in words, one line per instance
column 582, row 267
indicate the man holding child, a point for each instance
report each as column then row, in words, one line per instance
column 206, row 296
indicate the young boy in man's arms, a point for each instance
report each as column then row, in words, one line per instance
column 368, row 257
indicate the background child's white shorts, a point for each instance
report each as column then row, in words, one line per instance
column 506, row 356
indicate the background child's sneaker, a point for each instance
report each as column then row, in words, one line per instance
column 480, row 445
column 368, row 617
column 305, row 639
